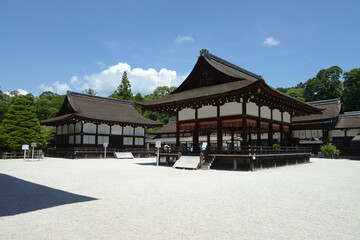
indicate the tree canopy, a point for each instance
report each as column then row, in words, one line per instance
column 124, row 89
column 326, row 85
column 20, row 126
column 350, row 97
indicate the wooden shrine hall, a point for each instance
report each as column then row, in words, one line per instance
column 222, row 98
column 84, row 122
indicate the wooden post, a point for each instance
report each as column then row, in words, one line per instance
column 219, row 128
column 270, row 137
column 244, row 127
column 235, row 164
column 177, row 130
column 208, row 139
column 258, row 127
column 282, row 129
column 196, row 133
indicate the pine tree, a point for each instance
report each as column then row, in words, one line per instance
column 124, row 89
column 20, row 126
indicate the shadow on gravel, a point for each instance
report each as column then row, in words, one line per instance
column 19, row 196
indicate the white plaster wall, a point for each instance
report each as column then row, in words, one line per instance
column 276, row 135
column 231, row 108
column 276, row 115
column 186, row 114
column 308, row 133
column 71, row 139
column 71, row 128
column 89, row 139
column 104, row 129
column 320, row 133
column 59, row 130
column 314, row 133
column 78, row 127
column 139, row 141
column 207, row 112
column 65, row 129
column 78, row 139
column 286, row 117
column 296, row 134
column 337, row 133
column 264, row 136
column 116, row 130
column 128, row 141
column 352, row 132
column 252, row 109
column 128, row 130
column 302, row 134
column 265, row 112
column 139, row 131
column 253, row 136
column 89, row 128
column 103, row 139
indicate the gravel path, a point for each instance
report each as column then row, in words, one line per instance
column 133, row 199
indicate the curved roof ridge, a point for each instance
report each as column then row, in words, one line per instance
column 323, row 102
column 69, row 93
column 210, row 56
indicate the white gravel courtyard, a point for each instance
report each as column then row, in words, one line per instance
column 134, row 199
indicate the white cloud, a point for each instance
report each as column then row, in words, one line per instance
column 100, row 64
column 181, row 39
column 142, row 81
column 271, row 41
column 20, row 91
column 46, row 88
column 61, row 88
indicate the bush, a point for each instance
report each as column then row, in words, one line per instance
column 329, row 150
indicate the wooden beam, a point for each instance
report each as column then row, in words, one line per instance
column 219, row 128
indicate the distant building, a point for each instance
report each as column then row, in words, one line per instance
column 89, row 121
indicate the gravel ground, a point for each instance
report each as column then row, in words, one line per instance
column 133, row 199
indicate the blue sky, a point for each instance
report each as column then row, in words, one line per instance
column 60, row 45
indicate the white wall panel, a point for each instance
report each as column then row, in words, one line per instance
column 103, row 139
column 276, row 115
column 308, row 133
column 302, row 134
column 116, row 130
column 286, row 117
column 139, row 141
column 352, row 132
column 231, row 108
column 276, row 135
column 252, row 109
column 265, row 112
column 296, row 134
column 128, row 141
column 103, row 129
column 65, row 129
column 89, row 139
column 264, row 136
column 78, row 139
column 71, row 139
column 187, row 114
column 59, row 130
column 89, row 128
column 128, row 130
column 71, row 128
column 207, row 112
column 139, row 131
column 78, row 127
column 337, row 133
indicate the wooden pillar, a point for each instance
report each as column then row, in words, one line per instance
column 258, row 127
column 219, row 128
column 232, row 139
column 244, row 125
column 177, row 130
column 82, row 133
column 290, row 132
column 208, row 139
column 96, row 135
column 196, row 133
column 270, row 137
column 282, row 129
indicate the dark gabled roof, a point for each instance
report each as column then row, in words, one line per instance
column 169, row 128
column 214, row 79
column 101, row 109
column 348, row 120
column 332, row 109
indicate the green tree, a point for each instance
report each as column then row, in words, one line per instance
column 20, row 126
column 351, row 98
column 297, row 93
column 124, row 89
column 3, row 105
column 326, row 85
column 90, row 91
column 48, row 104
